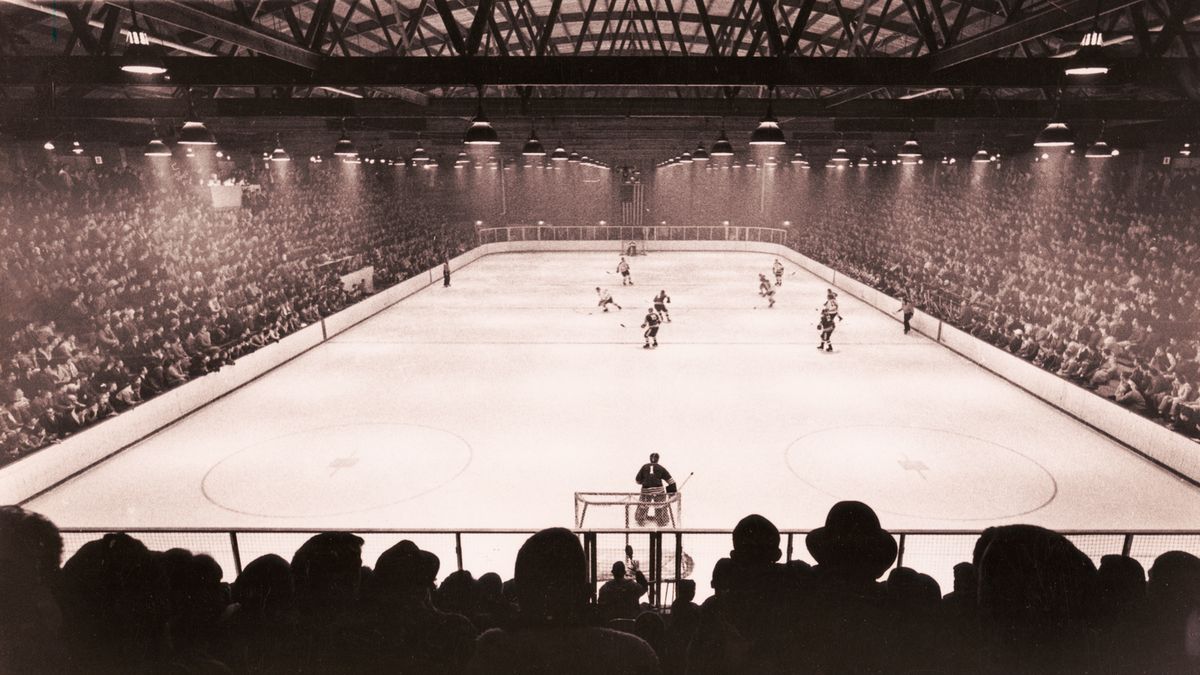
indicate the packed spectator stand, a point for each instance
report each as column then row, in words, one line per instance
column 1028, row 601
column 120, row 284
column 1089, row 271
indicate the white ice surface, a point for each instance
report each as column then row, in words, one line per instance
column 489, row 403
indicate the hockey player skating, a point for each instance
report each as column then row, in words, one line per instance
column 606, row 299
column 829, row 312
column 770, row 298
column 777, row 268
column 651, row 325
column 660, row 305
column 764, row 284
column 623, row 270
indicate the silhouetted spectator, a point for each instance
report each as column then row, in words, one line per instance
column 619, row 597
column 552, row 587
column 30, row 620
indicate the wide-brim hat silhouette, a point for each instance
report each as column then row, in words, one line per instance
column 852, row 540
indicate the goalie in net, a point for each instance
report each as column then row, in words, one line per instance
column 633, row 247
column 657, row 485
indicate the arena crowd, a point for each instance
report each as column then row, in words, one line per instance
column 120, row 284
column 1090, row 271
column 1027, row 602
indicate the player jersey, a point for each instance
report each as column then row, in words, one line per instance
column 778, row 267
column 652, row 320
column 622, row 267
column 661, row 298
column 653, row 475
column 605, row 295
column 831, row 307
column 827, row 321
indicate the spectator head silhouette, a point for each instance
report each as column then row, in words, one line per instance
column 650, row 627
column 30, row 541
column 115, row 600
column 551, row 577
column 723, row 575
column 911, row 591
column 1035, row 590
column 265, row 585
column 326, row 569
column 404, row 569
column 459, row 593
column 685, row 590
column 618, row 570
column 755, row 541
column 1121, row 584
column 966, row 581
column 852, row 544
column 491, row 586
column 1175, row 581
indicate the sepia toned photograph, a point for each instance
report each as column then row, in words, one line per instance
column 600, row 337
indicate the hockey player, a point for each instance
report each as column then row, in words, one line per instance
column 651, row 325
column 606, row 299
column 829, row 312
column 656, row 484
column 777, row 268
column 623, row 270
column 770, row 298
column 763, row 284
column 660, row 305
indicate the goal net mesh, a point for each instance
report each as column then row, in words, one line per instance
column 632, row 247
column 628, row 510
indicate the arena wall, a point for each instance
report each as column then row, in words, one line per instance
column 40, row 471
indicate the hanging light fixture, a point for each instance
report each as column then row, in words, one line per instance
column 700, row 155
column 193, row 131
column 480, row 132
column 141, row 56
column 156, row 148
column 533, row 147
column 76, row 147
column 722, row 147
column 1054, row 135
column 685, row 158
column 462, row 160
column 559, row 155
column 840, row 156
column 573, row 158
column 1089, row 59
column 419, row 156
column 1101, row 150
column 1185, row 150
column 797, row 157
column 279, row 154
column 981, row 156
column 911, row 148
column 345, row 147
column 768, row 131
column 49, row 145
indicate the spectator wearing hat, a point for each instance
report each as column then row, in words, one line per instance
column 550, row 634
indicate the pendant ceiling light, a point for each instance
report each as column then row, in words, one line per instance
column 533, row 147
column 722, row 147
column 419, row 155
column 573, row 158
column 768, row 131
column 156, row 148
column 141, row 57
column 345, row 147
column 1054, row 135
column 279, row 154
column 1089, row 59
column 1101, row 150
column 480, row 132
column 840, row 156
column 193, row 131
column 700, row 155
column 981, row 156
column 911, row 148
column 559, row 155
column 685, row 158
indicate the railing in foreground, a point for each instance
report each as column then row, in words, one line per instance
column 665, row 555
column 521, row 232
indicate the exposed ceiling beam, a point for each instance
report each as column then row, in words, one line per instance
column 1185, row 112
column 188, row 17
column 575, row 71
column 1052, row 17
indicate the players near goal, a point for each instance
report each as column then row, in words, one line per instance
column 660, row 305
column 777, row 268
column 829, row 312
column 623, row 270
column 651, row 324
column 605, row 299
column 656, row 484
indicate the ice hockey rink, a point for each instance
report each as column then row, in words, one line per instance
column 490, row 403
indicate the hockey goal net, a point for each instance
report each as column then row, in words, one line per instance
column 632, row 247
column 629, row 510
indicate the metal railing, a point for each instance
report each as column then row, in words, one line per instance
column 544, row 232
column 666, row 554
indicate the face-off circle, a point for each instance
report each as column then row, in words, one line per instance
column 921, row 472
column 336, row 470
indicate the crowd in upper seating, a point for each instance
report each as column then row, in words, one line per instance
column 1091, row 272
column 1027, row 602
column 120, row 284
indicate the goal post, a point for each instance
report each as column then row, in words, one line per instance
column 632, row 247
column 615, row 510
